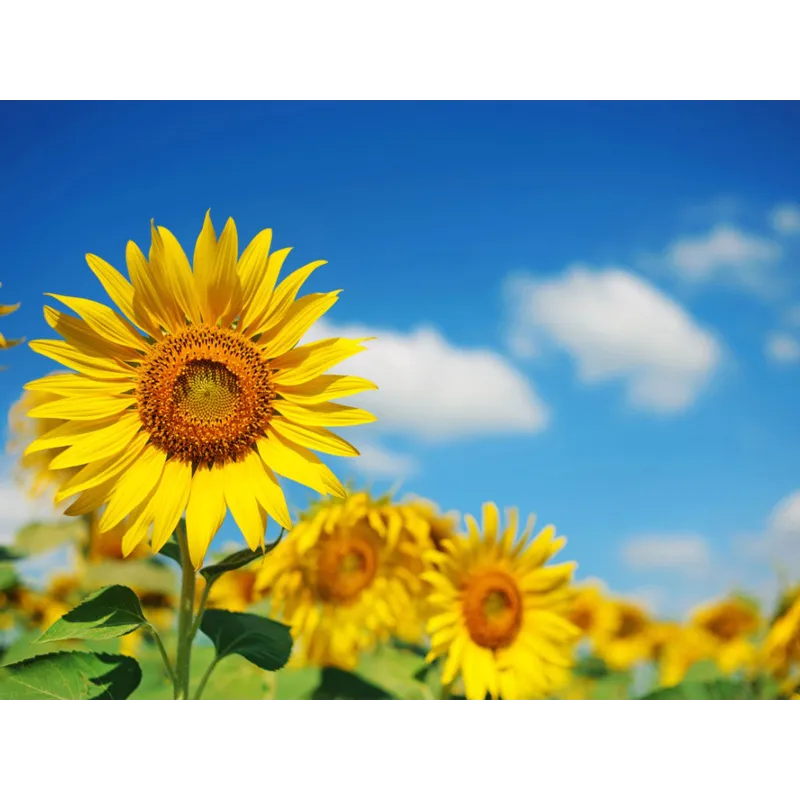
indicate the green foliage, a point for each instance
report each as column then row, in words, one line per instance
column 8, row 577
column 8, row 554
column 336, row 684
column 70, row 676
column 172, row 550
column 718, row 689
column 591, row 667
column 263, row 642
column 40, row 537
column 110, row 612
column 236, row 560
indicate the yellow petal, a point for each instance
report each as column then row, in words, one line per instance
column 256, row 308
column 69, row 384
column 80, row 336
column 179, row 276
column 331, row 415
column 82, row 408
column 121, row 292
column 135, row 484
column 64, row 435
column 309, row 361
column 475, row 671
column 491, row 523
column 324, row 389
column 253, row 268
column 269, row 492
column 205, row 512
column 205, row 253
column 316, row 438
column 298, row 464
column 93, row 446
column 170, row 500
column 98, row 472
column 104, row 322
column 148, row 287
column 239, row 482
column 102, row 368
column 284, row 296
column 224, row 289
column 546, row 579
column 300, row 317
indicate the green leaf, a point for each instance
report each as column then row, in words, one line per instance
column 336, row 684
column 172, row 550
column 591, row 667
column 105, row 614
column 236, row 560
column 8, row 577
column 70, row 676
column 396, row 671
column 263, row 642
column 40, row 537
column 719, row 689
column 7, row 554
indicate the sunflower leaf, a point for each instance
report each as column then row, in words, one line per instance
column 171, row 550
column 337, row 684
column 70, row 676
column 719, row 689
column 110, row 612
column 263, row 642
column 240, row 558
column 591, row 667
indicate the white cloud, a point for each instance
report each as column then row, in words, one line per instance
column 377, row 461
column 782, row 348
column 16, row 509
column 727, row 254
column 618, row 326
column 779, row 543
column 792, row 315
column 685, row 553
column 785, row 218
column 436, row 390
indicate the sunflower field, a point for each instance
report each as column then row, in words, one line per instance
column 190, row 396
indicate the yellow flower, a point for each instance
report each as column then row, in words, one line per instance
column 588, row 612
column 196, row 395
column 500, row 614
column 42, row 609
column 10, row 603
column 342, row 579
column 108, row 546
column 729, row 623
column 781, row 649
column 159, row 607
column 626, row 638
column 676, row 648
column 5, row 344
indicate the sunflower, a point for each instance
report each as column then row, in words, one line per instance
column 342, row 580
column 196, row 395
column 676, row 648
column 42, row 609
column 500, row 615
column 11, row 598
column 233, row 591
column 781, row 648
column 588, row 612
column 729, row 623
column 108, row 547
column 626, row 634
column 5, row 344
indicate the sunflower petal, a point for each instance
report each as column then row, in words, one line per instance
column 135, row 484
column 68, row 384
column 205, row 512
column 73, row 408
column 324, row 389
column 180, row 280
column 108, row 441
column 283, row 297
column 224, row 289
column 101, row 368
column 170, row 500
column 239, row 478
column 316, row 438
column 269, row 493
column 147, row 280
column 256, row 308
column 205, row 253
column 300, row 317
column 323, row 414
column 309, row 361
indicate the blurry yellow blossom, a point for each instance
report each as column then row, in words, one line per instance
column 730, row 623
column 625, row 634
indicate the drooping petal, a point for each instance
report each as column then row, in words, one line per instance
column 205, row 512
column 239, row 482
column 170, row 500
column 269, row 492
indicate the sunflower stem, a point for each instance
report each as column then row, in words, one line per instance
column 204, row 679
column 185, row 618
column 164, row 656
column 200, row 609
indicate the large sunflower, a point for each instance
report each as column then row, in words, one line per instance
column 500, row 613
column 5, row 344
column 343, row 580
column 197, row 394
column 729, row 623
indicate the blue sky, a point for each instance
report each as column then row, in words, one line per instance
column 586, row 310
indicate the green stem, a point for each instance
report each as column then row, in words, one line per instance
column 163, row 652
column 204, row 679
column 185, row 621
column 200, row 609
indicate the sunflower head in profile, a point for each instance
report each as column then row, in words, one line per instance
column 194, row 396
column 626, row 634
column 499, row 613
column 675, row 648
column 780, row 652
column 342, row 580
column 730, row 623
column 5, row 344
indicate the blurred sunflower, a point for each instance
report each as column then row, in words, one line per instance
column 108, row 547
column 588, row 611
column 197, row 394
column 233, row 591
column 342, row 579
column 10, row 603
column 5, row 344
column 500, row 614
column 42, row 609
column 781, row 648
column 676, row 648
column 729, row 623
column 626, row 634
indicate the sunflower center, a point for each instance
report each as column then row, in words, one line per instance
column 630, row 625
column 205, row 395
column 727, row 626
column 345, row 568
column 493, row 609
